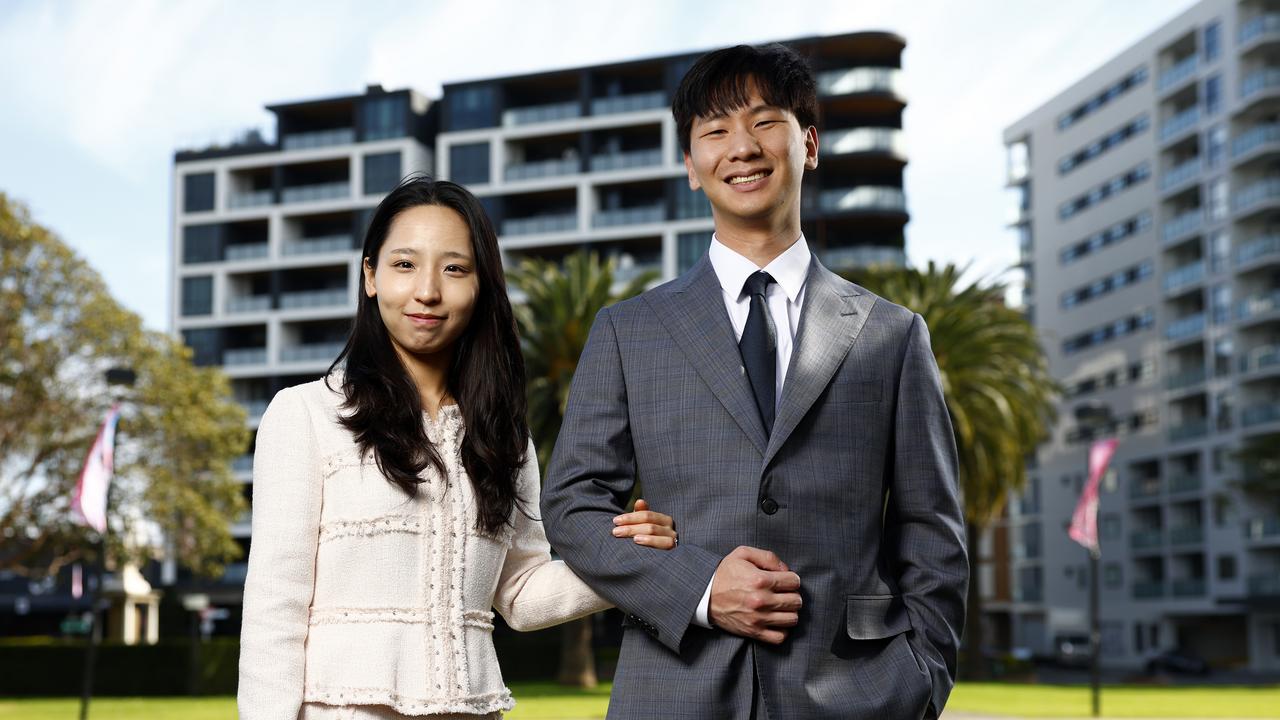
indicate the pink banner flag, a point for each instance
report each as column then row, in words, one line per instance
column 1084, row 521
column 90, row 501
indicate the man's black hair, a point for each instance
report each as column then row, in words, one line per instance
column 718, row 84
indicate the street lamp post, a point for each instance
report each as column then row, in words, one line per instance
column 1096, row 416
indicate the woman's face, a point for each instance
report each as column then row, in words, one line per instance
column 424, row 280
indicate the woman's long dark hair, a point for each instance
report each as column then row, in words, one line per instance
column 486, row 376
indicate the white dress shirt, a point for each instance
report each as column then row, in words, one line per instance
column 784, row 297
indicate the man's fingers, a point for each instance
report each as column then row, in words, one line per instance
column 643, row 529
column 647, row 516
column 660, row 542
column 784, row 582
column 763, row 559
column 641, row 505
column 771, row 636
column 780, row 619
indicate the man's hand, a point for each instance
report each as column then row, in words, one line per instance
column 754, row 595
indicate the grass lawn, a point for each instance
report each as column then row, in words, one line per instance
column 547, row 701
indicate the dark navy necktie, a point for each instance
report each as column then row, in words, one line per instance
column 759, row 347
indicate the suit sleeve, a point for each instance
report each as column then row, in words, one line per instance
column 924, row 523
column 590, row 479
column 533, row 590
column 282, row 559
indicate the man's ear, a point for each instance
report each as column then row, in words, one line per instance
column 366, row 268
column 811, row 148
column 688, row 168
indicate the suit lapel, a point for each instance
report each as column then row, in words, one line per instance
column 833, row 314
column 693, row 312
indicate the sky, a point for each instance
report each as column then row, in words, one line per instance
column 97, row 95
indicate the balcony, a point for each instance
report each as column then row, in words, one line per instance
column 1185, row 276
column 541, row 113
column 1182, row 226
column 858, row 80
column 629, row 103
column 1184, row 328
column 566, row 222
column 606, row 162
column 1266, row 246
column 234, row 574
column 244, row 356
column 333, row 297
column 242, row 463
column 1259, row 81
column 1262, row 528
column 629, row 216
column 1144, row 488
column 1189, row 588
column 1186, row 379
column 864, row 198
column 1178, row 73
column 1252, row 307
column 1189, row 430
column 1186, row 535
column 1260, row 413
column 249, row 303
column 1254, row 138
column 1184, row 484
column 1264, row 585
column 863, row 256
column 1256, row 194
column 1148, row 590
column 861, row 140
column 311, row 352
column 246, row 251
column 1179, row 123
column 1180, row 174
column 340, row 190
column 1260, row 358
column 1146, row 539
column 317, row 245
column 254, row 198
column 254, row 408
column 541, row 169
column 1267, row 24
column 319, row 138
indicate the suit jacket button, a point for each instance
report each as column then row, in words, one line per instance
column 768, row 506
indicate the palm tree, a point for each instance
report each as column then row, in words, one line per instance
column 560, row 303
column 998, row 390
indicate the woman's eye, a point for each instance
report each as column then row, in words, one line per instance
column 454, row 268
column 403, row 264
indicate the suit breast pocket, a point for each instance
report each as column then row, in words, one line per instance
column 856, row 391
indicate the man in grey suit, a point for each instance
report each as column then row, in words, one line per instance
column 793, row 424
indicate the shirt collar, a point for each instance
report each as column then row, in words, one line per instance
column 789, row 269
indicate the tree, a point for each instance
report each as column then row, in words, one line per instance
column 560, row 303
column 1259, row 462
column 998, row 390
column 60, row 329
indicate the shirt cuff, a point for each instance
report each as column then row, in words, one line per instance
column 702, row 616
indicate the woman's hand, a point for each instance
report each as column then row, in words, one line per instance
column 646, row 527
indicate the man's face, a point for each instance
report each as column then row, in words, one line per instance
column 750, row 163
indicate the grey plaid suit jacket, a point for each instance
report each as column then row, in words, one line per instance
column 855, row 490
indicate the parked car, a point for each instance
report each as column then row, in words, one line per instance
column 1072, row 650
column 1177, row 661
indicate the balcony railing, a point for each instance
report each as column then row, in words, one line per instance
column 858, row 140
column 1186, row 327
column 1262, row 304
column 1186, row 535
column 311, row 352
column 1183, row 225
column 1148, row 590
column 1189, row 587
column 1189, row 430
column 1142, row 488
column 867, row 197
column 1260, row 413
column 254, row 198
column 1266, row 24
column 1259, row 81
column 542, row 168
column 244, row 356
column 1186, row 379
column 1182, row 277
column 1180, row 173
column 320, row 191
column 542, row 113
column 627, row 271
column 248, row 303
column 254, row 408
column 567, row 222
column 1256, row 194
column 1180, row 71
column 629, row 216
column 330, row 297
column 1030, row 594
column 628, row 103
column 242, row 463
column 1260, row 358
column 862, row 257
column 319, row 138
column 1184, row 484
column 1255, row 137
column 1263, row 528
column 1264, row 585
column 317, row 245
column 626, row 160
column 1257, row 248
column 858, row 80
column 1144, row 539
column 246, row 251
column 1180, row 123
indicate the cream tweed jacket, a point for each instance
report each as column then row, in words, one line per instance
column 358, row 594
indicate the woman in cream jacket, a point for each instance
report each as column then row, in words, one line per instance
column 395, row 499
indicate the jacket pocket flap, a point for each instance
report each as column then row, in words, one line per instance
column 871, row 617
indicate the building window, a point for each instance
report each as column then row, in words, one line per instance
column 469, row 164
column 197, row 295
column 1223, row 352
column 1226, row 567
column 1107, row 237
column 201, row 243
column 1213, row 95
column 205, row 344
column 1218, row 197
column 1113, row 576
column 1215, row 141
column 1108, row 189
column 690, row 247
column 1030, row 540
column 1220, row 302
column 472, row 107
column 381, row 173
column 688, row 203
column 384, row 117
column 1109, row 528
column 1095, row 103
column 1212, row 41
column 197, row 192
column 1219, row 250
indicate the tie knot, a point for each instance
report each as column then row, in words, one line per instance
column 757, row 283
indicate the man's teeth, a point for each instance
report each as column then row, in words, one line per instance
column 746, row 179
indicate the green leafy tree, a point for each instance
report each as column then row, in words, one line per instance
column 1259, row 462
column 998, row 390
column 560, row 302
column 60, row 330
